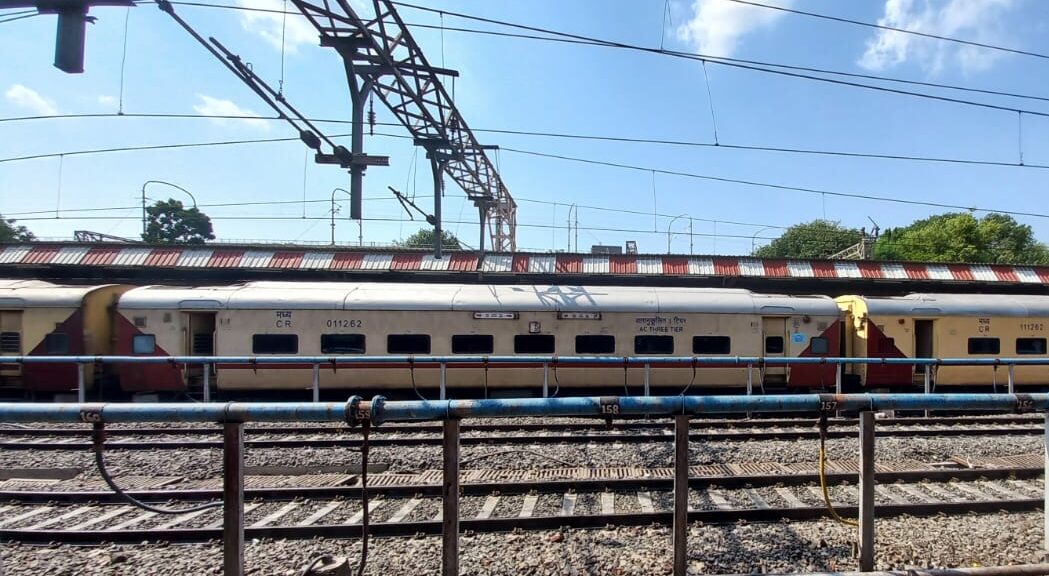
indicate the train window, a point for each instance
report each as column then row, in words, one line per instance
column 342, row 343
column 56, row 343
column 653, row 344
column 774, row 344
column 408, row 344
column 819, row 345
column 144, row 344
column 274, row 344
column 711, row 344
column 472, row 344
column 1030, row 345
column 11, row 342
column 595, row 344
column 984, row 346
column 534, row 344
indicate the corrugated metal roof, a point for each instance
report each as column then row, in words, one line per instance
column 800, row 269
column 595, row 265
column 226, row 258
column 462, row 262
column 12, row 254
column 40, row 255
column 541, row 264
column 750, row 267
column 776, row 268
column 701, row 266
column 286, row 259
column 376, row 262
column 70, row 255
column 1027, row 275
column 100, row 256
column 347, row 261
column 317, row 260
column 431, row 263
column 649, row 265
column 163, row 257
column 894, row 271
column 195, row 257
column 569, row 264
column 675, row 266
column 847, row 270
column 132, row 256
column 495, row 263
column 256, row 259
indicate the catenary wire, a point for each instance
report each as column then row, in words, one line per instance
column 568, row 136
column 893, row 29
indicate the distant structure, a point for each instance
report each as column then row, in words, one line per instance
column 599, row 249
column 89, row 236
column 862, row 250
column 631, row 247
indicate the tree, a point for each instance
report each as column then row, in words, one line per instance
column 961, row 237
column 424, row 239
column 169, row 222
column 11, row 233
column 816, row 239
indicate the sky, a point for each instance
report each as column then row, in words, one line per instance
column 527, row 85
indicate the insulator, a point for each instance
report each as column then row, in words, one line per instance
column 371, row 116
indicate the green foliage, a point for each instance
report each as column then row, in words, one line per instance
column 169, row 222
column 424, row 239
column 816, row 239
column 961, row 237
column 9, row 232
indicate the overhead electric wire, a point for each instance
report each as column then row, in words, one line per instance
column 730, row 62
column 892, row 29
column 774, row 186
column 568, row 136
column 583, row 40
column 13, row 16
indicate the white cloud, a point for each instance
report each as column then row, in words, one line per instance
column 209, row 106
column 978, row 20
column 30, row 99
column 273, row 26
column 716, row 27
column 107, row 100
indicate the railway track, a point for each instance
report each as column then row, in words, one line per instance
column 67, row 439
column 502, row 500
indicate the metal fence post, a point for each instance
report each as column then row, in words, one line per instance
column 837, row 385
column 316, row 382
column 1012, row 379
column 81, row 393
column 450, row 500
column 546, row 380
column 233, row 499
column 207, row 383
column 750, row 385
column 444, row 380
column 928, row 384
column 680, row 495
column 866, row 517
column 648, row 376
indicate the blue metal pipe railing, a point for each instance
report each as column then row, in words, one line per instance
column 521, row 359
column 379, row 410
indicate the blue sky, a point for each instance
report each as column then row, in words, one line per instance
column 519, row 84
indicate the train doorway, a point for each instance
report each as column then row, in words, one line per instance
column 200, row 341
column 923, row 342
column 774, row 345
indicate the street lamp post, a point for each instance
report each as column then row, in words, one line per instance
column 175, row 186
column 754, row 238
column 669, row 235
column 333, row 211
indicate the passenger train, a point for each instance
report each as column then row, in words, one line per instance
column 417, row 320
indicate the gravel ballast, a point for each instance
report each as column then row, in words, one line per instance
column 971, row 540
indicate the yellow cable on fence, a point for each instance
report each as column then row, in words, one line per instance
column 823, row 476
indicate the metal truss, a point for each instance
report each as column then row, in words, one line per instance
column 383, row 53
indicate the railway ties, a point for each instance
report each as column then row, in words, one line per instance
column 532, row 505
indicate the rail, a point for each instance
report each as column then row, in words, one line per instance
column 358, row 412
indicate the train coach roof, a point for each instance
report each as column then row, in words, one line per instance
column 959, row 305
column 38, row 294
column 470, row 297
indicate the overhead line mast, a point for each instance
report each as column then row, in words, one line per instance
column 381, row 57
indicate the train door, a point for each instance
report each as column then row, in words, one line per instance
column 774, row 341
column 923, row 344
column 10, row 340
column 200, row 341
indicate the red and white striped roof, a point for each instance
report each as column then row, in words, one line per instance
column 261, row 258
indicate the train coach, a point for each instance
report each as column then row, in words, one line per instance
column 970, row 326
column 285, row 318
column 41, row 319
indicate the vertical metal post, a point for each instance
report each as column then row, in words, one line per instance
column 648, row 378
column 207, row 383
column 81, row 393
column 866, row 491
column 837, row 384
column 546, row 380
column 1012, row 379
column 316, row 382
column 450, row 500
column 680, row 495
column 444, row 380
column 928, row 384
column 233, row 499
column 750, row 384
